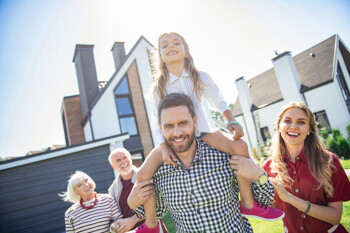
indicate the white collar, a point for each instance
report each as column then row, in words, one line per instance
column 173, row 78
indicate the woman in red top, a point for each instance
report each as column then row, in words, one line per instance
column 310, row 182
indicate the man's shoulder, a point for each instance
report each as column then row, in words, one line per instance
column 206, row 151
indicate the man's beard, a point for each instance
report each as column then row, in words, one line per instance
column 181, row 148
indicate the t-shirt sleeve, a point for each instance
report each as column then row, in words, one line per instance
column 212, row 93
column 158, row 136
column 340, row 182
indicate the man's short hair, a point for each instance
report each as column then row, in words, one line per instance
column 175, row 100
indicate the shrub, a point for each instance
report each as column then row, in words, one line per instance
column 332, row 146
column 336, row 134
column 324, row 134
column 348, row 130
column 343, row 148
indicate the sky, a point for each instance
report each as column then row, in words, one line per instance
column 227, row 38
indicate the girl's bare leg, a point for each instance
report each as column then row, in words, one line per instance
column 152, row 163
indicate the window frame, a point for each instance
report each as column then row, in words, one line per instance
column 265, row 140
column 318, row 121
column 131, row 105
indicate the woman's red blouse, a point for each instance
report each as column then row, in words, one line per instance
column 305, row 187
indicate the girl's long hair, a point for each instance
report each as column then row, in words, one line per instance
column 318, row 160
column 163, row 77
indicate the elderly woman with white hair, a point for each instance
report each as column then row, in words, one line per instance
column 91, row 212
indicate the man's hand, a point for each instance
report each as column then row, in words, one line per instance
column 140, row 193
column 246, row 167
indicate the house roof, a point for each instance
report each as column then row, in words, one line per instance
column 61, row 151
column 315, row 67
column 98, row 96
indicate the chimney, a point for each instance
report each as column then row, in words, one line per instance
column 118, row 51
column 287, row 77
column 246, row 105
column 87, row 76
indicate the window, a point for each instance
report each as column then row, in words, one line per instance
column 323, row 123
column 265, row 134
column 125, row 110
column 343, row 86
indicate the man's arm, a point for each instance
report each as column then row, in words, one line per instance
column 249, row 169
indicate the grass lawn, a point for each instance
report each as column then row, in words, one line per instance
column 261, row 226
column 345, row 163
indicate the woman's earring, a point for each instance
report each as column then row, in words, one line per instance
column 308, row 133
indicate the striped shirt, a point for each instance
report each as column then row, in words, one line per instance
column 204, row 197
column 184, row 85
column 97, row 219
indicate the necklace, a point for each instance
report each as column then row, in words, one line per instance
column 90, row 207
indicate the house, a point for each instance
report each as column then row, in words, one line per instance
column 120, row 105
column 104, row 115
column 319, row 76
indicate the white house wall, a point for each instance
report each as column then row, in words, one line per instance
column 104, row 114
column 87, row 132
column 146, row 80
column 268, row 114
column 330, row 99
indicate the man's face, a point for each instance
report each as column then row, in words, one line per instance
column 178, row 128
column 121, row 162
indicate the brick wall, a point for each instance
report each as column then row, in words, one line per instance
column 140, row 109
column 73, row 117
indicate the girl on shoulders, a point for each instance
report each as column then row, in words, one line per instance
column 178, row 74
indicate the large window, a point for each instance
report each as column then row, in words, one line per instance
column 265, row 134
column 323, row 123
column 126, row 115
column 343, row 86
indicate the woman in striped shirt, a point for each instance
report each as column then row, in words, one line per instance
column 91, row 212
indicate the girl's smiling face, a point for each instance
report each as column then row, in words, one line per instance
column 171, row 49
column 294, row 127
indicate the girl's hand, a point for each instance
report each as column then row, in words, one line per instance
column 236, row 131
column 168, row 156
column 283, row 194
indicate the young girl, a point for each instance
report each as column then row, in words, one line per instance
column 179, row 75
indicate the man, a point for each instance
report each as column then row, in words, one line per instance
column 201, row 193
column 120, row 160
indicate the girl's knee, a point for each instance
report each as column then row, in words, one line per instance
column 240, row 147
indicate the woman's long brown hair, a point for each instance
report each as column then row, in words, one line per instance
column 319, row 160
